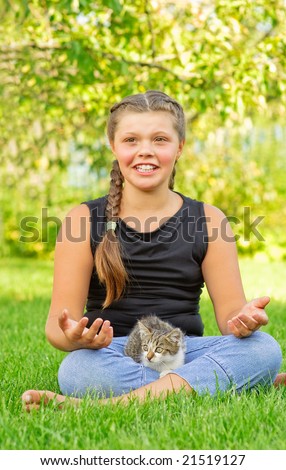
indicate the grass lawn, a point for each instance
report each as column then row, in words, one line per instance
column 250, row 421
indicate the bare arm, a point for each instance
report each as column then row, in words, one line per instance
column 73, row 264
column 223, row 280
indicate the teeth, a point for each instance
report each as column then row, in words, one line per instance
column 145, row 167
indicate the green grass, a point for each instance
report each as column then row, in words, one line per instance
column 250, row 421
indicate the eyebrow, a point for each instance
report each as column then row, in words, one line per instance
column 156, row 132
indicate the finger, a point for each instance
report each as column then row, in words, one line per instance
column 260, row 302
column 260, row 317
column 109, row 336
column 232, row 329
column 102, row 335
column 248, row 321
column 105, row 335
column 241, row 327
column 103, row 342
column 63, row 319
column 79, row 328
column 93, row 330
column 105, row 327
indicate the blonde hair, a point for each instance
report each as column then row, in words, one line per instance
column 108, row 256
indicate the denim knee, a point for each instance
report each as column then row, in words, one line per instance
column 269, row 351
column 103, row 372
column 82, row 371
column 234, row 362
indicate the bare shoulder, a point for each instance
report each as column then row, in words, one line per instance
column 217, row 224
column 213, row 213
column 73, row 256
column 78, row 213
column 73, row 241
column 76, row 224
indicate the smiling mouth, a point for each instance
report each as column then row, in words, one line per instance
column 145, row 168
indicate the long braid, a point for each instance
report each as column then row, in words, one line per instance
column 172, row 178
column 108, row 260
column 115, row 193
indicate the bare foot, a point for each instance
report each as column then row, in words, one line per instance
column 33, row 399
column 280, row 380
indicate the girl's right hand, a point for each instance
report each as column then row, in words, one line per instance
column 86, row 338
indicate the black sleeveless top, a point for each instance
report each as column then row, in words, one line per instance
column 164, row 267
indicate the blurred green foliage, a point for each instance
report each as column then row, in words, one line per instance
column 242, row 171
column 63, row 63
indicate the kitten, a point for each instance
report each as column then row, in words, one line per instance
column 156, row 344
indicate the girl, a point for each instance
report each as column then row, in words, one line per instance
column 145, row 249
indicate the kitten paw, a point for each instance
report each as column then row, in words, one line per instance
column 165, row 372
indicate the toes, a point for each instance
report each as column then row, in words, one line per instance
column 33, row 399
column 31, row 396
column 38, row 397
column 32, row 407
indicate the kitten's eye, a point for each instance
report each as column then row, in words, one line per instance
column 145, row 347
column 159, row 350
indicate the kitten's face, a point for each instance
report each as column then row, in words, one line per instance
column 158, row 347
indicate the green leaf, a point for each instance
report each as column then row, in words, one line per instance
column 115, row 5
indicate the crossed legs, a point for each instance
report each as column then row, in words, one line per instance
column 207, row 360
column 33, row 399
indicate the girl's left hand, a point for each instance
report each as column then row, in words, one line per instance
column 251, row 317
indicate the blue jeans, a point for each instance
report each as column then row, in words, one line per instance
column 212, row 363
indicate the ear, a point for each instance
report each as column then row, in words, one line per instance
column 143, row 330
column 111, row 143
column 180, row 149
column 174, row 336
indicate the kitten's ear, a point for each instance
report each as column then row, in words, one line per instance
column 174, row 336
column 143, row 330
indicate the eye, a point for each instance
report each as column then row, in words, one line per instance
column 161, row 139
column 130, row 139
column 159, row 350
column 145, row 347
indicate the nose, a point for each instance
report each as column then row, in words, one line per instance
column 146, row 149
column 150, row 355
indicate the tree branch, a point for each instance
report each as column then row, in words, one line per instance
column 47, row 47
column 148, row 14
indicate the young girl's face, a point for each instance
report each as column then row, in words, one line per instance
column 146, row 146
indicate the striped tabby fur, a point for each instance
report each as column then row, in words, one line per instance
column 156, row 344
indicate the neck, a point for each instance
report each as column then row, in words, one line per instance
column 146, row 211
column 145, row 201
